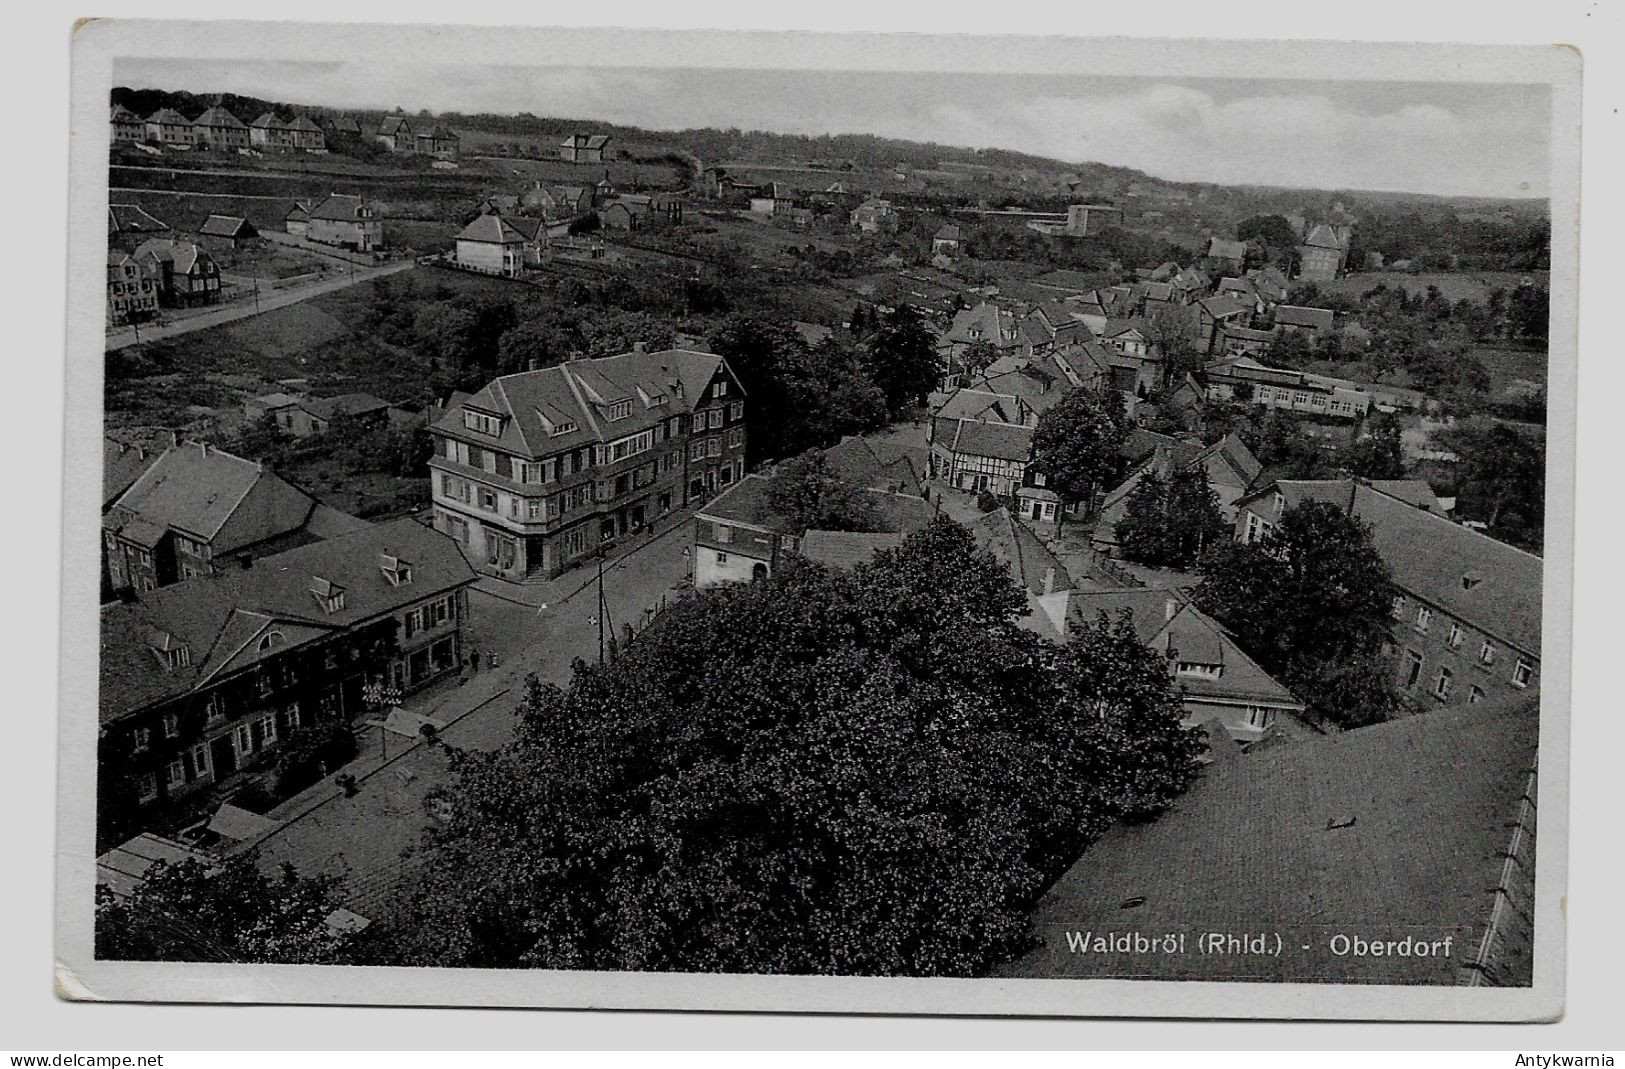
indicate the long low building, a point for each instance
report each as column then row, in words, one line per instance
column 1245, row 379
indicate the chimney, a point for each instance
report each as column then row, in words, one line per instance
column 1049, row 580
column 1169, row 607
column 640, row 347
column 534, row 364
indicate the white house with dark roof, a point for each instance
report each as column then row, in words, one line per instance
column 501, row 244
column 126, row 125
column 271, row 133
column 1467, row 608
column 218, row 128
column 168, row 127
column 347, row 220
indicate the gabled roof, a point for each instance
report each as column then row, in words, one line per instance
column 495, row 230
column 120, row 113
column 169, row 117
column 1001, row 441
column 182, row 255
column 1033, row 565
column 858, row 462
column 122, row 464
column 227, row 226
column 394, row 126
column 338, row 207
column 304, row 124
column 947, row 233
column 1321, row 236
column 1387, row 829
column 747, row 502
column 269, row 121
column 1219, row 307
column 214, row 496
column 221, row 619
column 1222, row 249
column 218, row 116
column 345, row 404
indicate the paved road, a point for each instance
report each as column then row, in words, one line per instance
column 247, row 306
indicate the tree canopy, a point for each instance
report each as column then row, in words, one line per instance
column 803, row 491
column 1169, row 522
column 819, row 772
column 1310, row 602
column 1078, row 443
column 902, row 359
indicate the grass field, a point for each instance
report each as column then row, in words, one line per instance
column 1454, row 285
column 1512, row 367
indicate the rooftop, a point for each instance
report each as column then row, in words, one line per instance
column 214, row 496
column 1389, row 830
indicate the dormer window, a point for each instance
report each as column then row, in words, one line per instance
column 619, row 410
column 397, row 571
column 482, row 423
column 271, row 640
column 1197, row 668
column 172, row 652
column 329, row 595
column 1470, row 580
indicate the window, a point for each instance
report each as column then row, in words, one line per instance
column 575, row 540
column 1258, row 717
column 722, row 533
column 674, row 426
column 213, row 712
column 696, row 450
column 487, row 499
column 172, row 725
column 721, row 390
column 722, row 558
column 1522, row 672
column 1486, row 653
column 1399, row 607
column 736, row 437
column 1424, row 618
column 620, row 410
column 1039, row 480
column 1414, row 671
column 271, row 641
column 716, row 418
column 141, row 739
column 631, row 447
column 1455, row 635
column 533, row 509
column 484, row 424
column 175, row 774
column 736, row 411
column 1475, row 695
column 243, row 740
column 713, row 447
column 1441, row 688
column 1194, row 668
column 267, row 726
column 146, row 787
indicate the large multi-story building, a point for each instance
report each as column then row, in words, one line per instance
column 1467, row 608
column 538, row 469
column 219, row 129
column 132, row 292
column 204, row 682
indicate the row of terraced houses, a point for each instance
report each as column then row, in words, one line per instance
column 218, row 128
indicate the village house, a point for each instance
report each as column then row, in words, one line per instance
column 635, row 211
column 198, row 510
column 875, row 216
column 343, row 126
column 1234, row 340
column 440, row 143
column 220, row 130
column 1083, row 220
column 978, row 455
column 584, row 148
column 302, row 417
column 307, row 136
column 947, row 241
column 1212, row 313
column 348, row 221
column 126, row 125
column 395, row 134
column 297, row 221
column 170, row 128
column 776, row 198
column 739, row 537
column 186, row 275
column 1038, row 573
column 533, row 473
column 1466, row 609
column 1322, row 254
column 558, row 202
column 1216, row 682
column 270, row 133
column 222, row 233
column 132, row 293
column 501, row 245
column 1226, row 254
column 203, row 683
column 1229, row 465
column 1312, row 323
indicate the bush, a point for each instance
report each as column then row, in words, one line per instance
column 986, row 501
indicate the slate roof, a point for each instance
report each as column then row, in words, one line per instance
column 565, row 394
column 122, row 464
column 1034, row 567
column 184, row 255
column 169, row 117
column 394, row 125
column 213, row 496
column 304, row 124
column 1002, row 441
column 1487, row 584
column 1219, row 307
column 218, row 619
column 346, row 404
column 845, row 550
column 120, row 113
column 133, row 219
column 269, row 121
column 495, row 230
column 338, row 207
column 1221, row 249
column 1426, row 807
column 947, row 233
column 1322, row 236
column 857, row 462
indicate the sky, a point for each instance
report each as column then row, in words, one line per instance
column 1418, row 137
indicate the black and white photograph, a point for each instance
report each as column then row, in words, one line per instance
column 842, row 524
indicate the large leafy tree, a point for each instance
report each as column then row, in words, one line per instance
column 902, row 359
column 229, row 911
column 867, row 773
column 1380, row 453
column 1078, row 443
column 808, row 496
column 1169, row 522
column 1310, row 602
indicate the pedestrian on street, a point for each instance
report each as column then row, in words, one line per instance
column 474, row 660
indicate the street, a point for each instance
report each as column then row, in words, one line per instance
column 246, row 307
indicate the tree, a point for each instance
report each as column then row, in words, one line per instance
column 1273, row 230
column 1380, row 454
column 902, row 359
column 1078, row 443
column 1170, row 522
column 228, row 911
column 977, row 356
column 1172, row 331
column 1500, row 478
column 804, row 493
column 1310, row 602
column 1530, row 310
column 871, row 773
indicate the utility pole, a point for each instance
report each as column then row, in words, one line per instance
column 601, row 607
